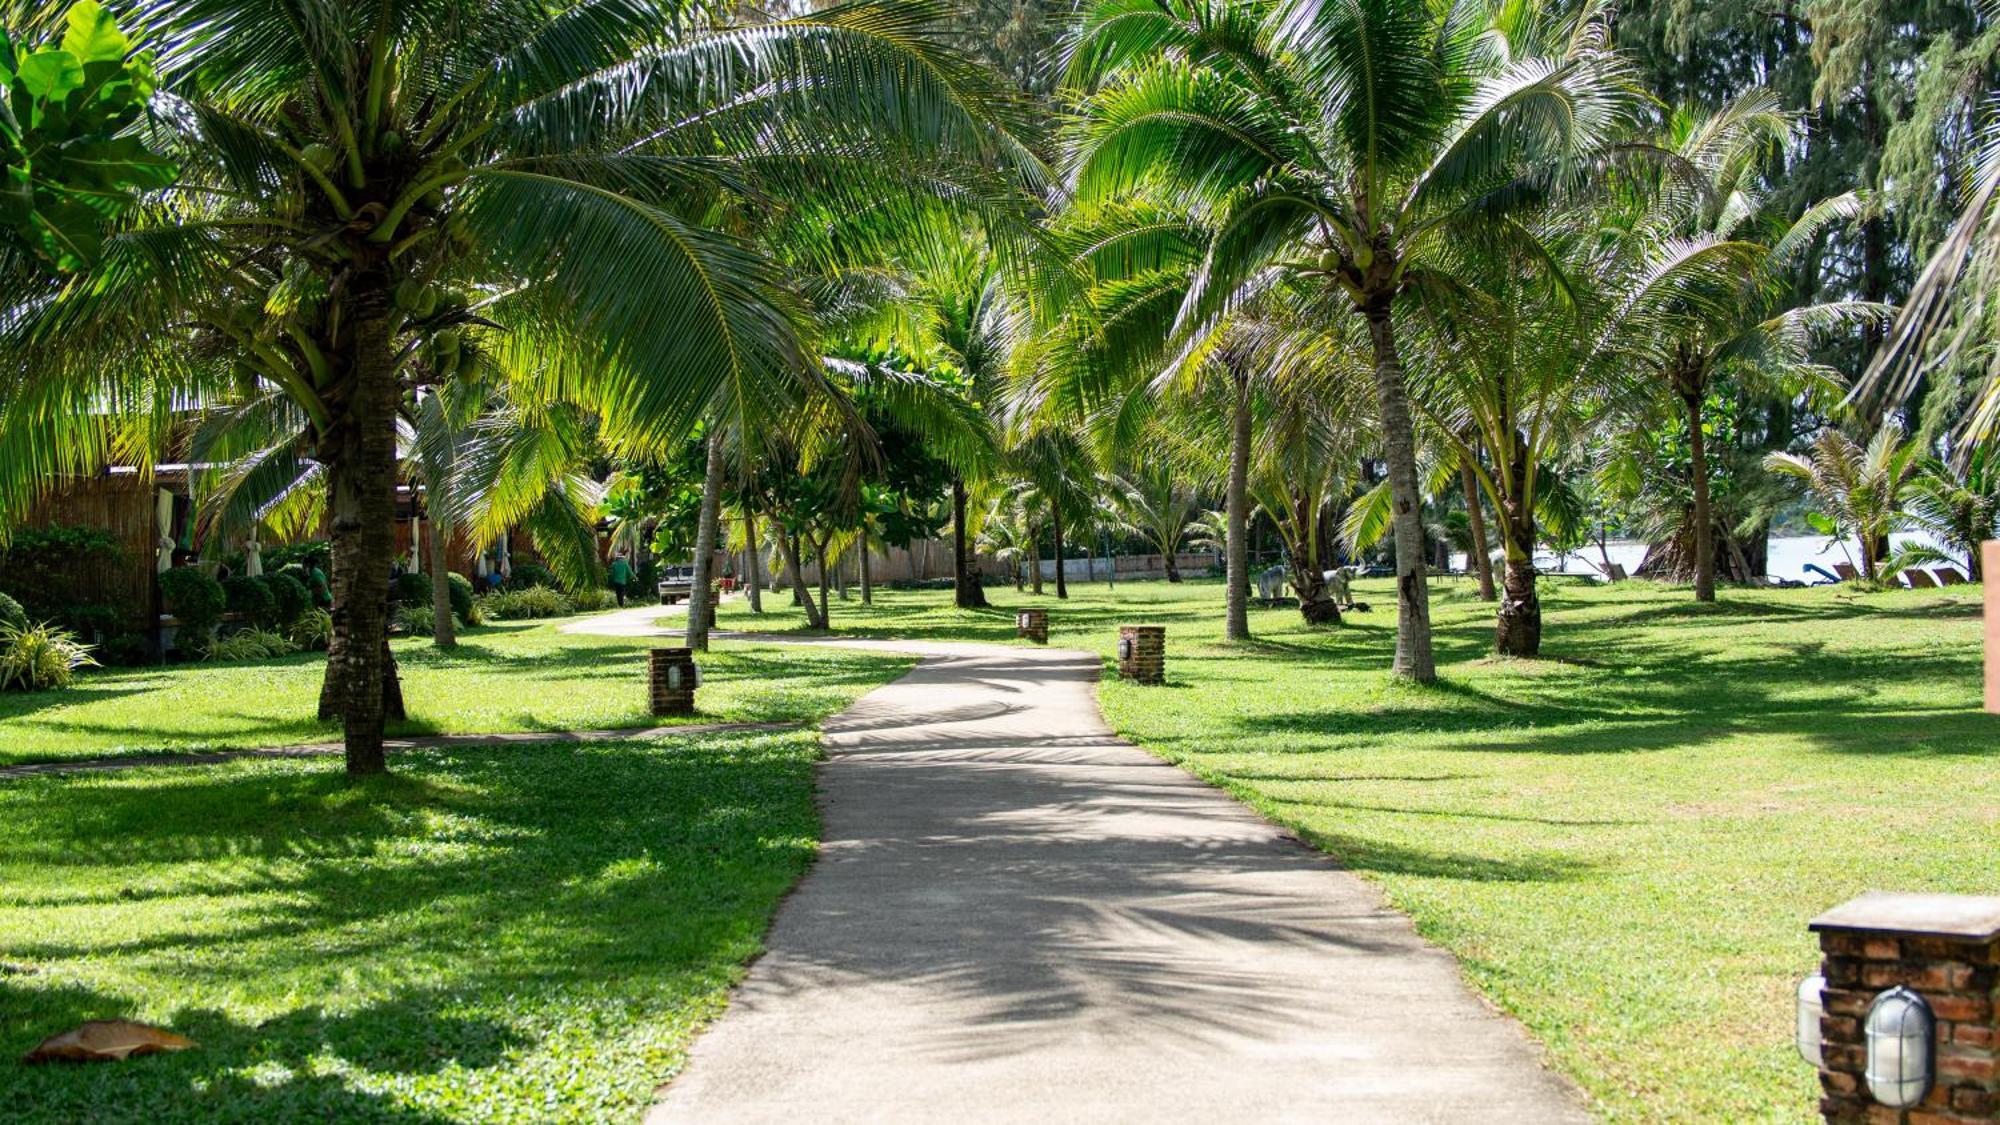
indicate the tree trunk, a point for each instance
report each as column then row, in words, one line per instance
column 1475, row 517
column 820, row 552
column 867, row 577
column 1517, row 630
column 788, row 546
column 700, row 600
column 755, row 572
column 1035, row 560
column 360, row 456
column 1308, row 580
column 444, row 630
column 1236, row 573
column 1062, row 582
column 966, row 592
column 1399, row 445
column 1173, row 566
column 1704, row 528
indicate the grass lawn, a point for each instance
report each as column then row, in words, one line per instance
column 1622, row 842
column 493, row 934
column 508, row 676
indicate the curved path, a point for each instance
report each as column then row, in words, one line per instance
column 1018, row 917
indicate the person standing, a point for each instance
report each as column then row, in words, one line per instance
column 621, row 576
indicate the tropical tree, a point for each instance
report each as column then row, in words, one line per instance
column 1858, row 490
column 1960, row 508
column 1702, row 200
column 1152, row 503
column 366, row 187
column 1350, row 143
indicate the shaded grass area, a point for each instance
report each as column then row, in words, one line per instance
column 1622, row 842
column 518, row 676
column 486, row 935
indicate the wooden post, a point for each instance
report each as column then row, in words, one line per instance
column 1989, row 568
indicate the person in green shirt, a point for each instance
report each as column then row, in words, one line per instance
column 621, row 576
column 322, row 593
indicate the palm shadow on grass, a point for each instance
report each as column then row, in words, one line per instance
column 447, row 932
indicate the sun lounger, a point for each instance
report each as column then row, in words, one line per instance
column 1919, row 580
column 1948, row 576
column 1847, row 572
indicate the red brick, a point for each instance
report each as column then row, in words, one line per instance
column 1839, row 1029
column 1842, row 972
column 1920, row 976
column 1841, row 944
column 1846, row 1002
column 1882, row 949
column 1930, row 1117
column 1839, row 1082
column 1974, row 1035
column 1844, row 1056
column 1976, row 1101
column 1958, row 1064
column 1962, row 1009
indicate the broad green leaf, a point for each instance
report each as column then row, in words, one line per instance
column 51, row 74
column 93, row 36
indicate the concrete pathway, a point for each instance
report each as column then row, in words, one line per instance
column 1018, row 917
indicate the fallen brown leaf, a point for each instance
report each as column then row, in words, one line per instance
column 106, row 1041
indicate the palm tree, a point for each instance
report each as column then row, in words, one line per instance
column 1153, row 504
column 1860, row 490
column 1959, row 508
column 1704, row 201
column 367, row 186
column 1352, row 143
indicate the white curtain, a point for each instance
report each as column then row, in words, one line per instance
column 253, row 557
column 163, row 506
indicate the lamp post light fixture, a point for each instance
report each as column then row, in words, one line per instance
column 1124, row 648
column 1901, row 1031
column 683, row 675
column 1811, row 1007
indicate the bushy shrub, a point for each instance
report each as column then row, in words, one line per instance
column 591, row 598
column 463, row 605
column 253, row 644
column 410, row 589
column 312, row 630
column 531, row 575
column 48, row 569
column 290, row 595
column 40, row 657
column 288, row 555
column 417, row 620
column 123, row 650
column 252, row 599
column 198, row 601
column 11, row 613
column 531, row 602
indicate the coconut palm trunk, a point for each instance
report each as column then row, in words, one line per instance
column 754, row 572
column 1035, row 560
column 1399, row 448
column 788, row 546
column 1475, row 518
column 701, row 601
column 867, row 572
column 967, row 593
column 1236, row 572
column 444, row 629
column 1704, row 524
column 1517, row 628
column 1062, row 582
column 360, row 456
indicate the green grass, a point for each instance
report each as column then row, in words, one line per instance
column 492, row 934
column 1621, row 842
column 519, row 676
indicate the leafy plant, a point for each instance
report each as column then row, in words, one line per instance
column 196, row 599
column 417, row 620
column 463, row 605
column 253, row 644
column 252, row 598
column 48, row 568
column 312, row 630
column 40, row 657
column 527, row 575
column 290, row 596
column 525, row 604
column 11, row 613
column 410, row 589
column 591, row 598
column 69, row 160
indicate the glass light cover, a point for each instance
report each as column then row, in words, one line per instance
column 1899, row 1028
column 1810, row 1009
